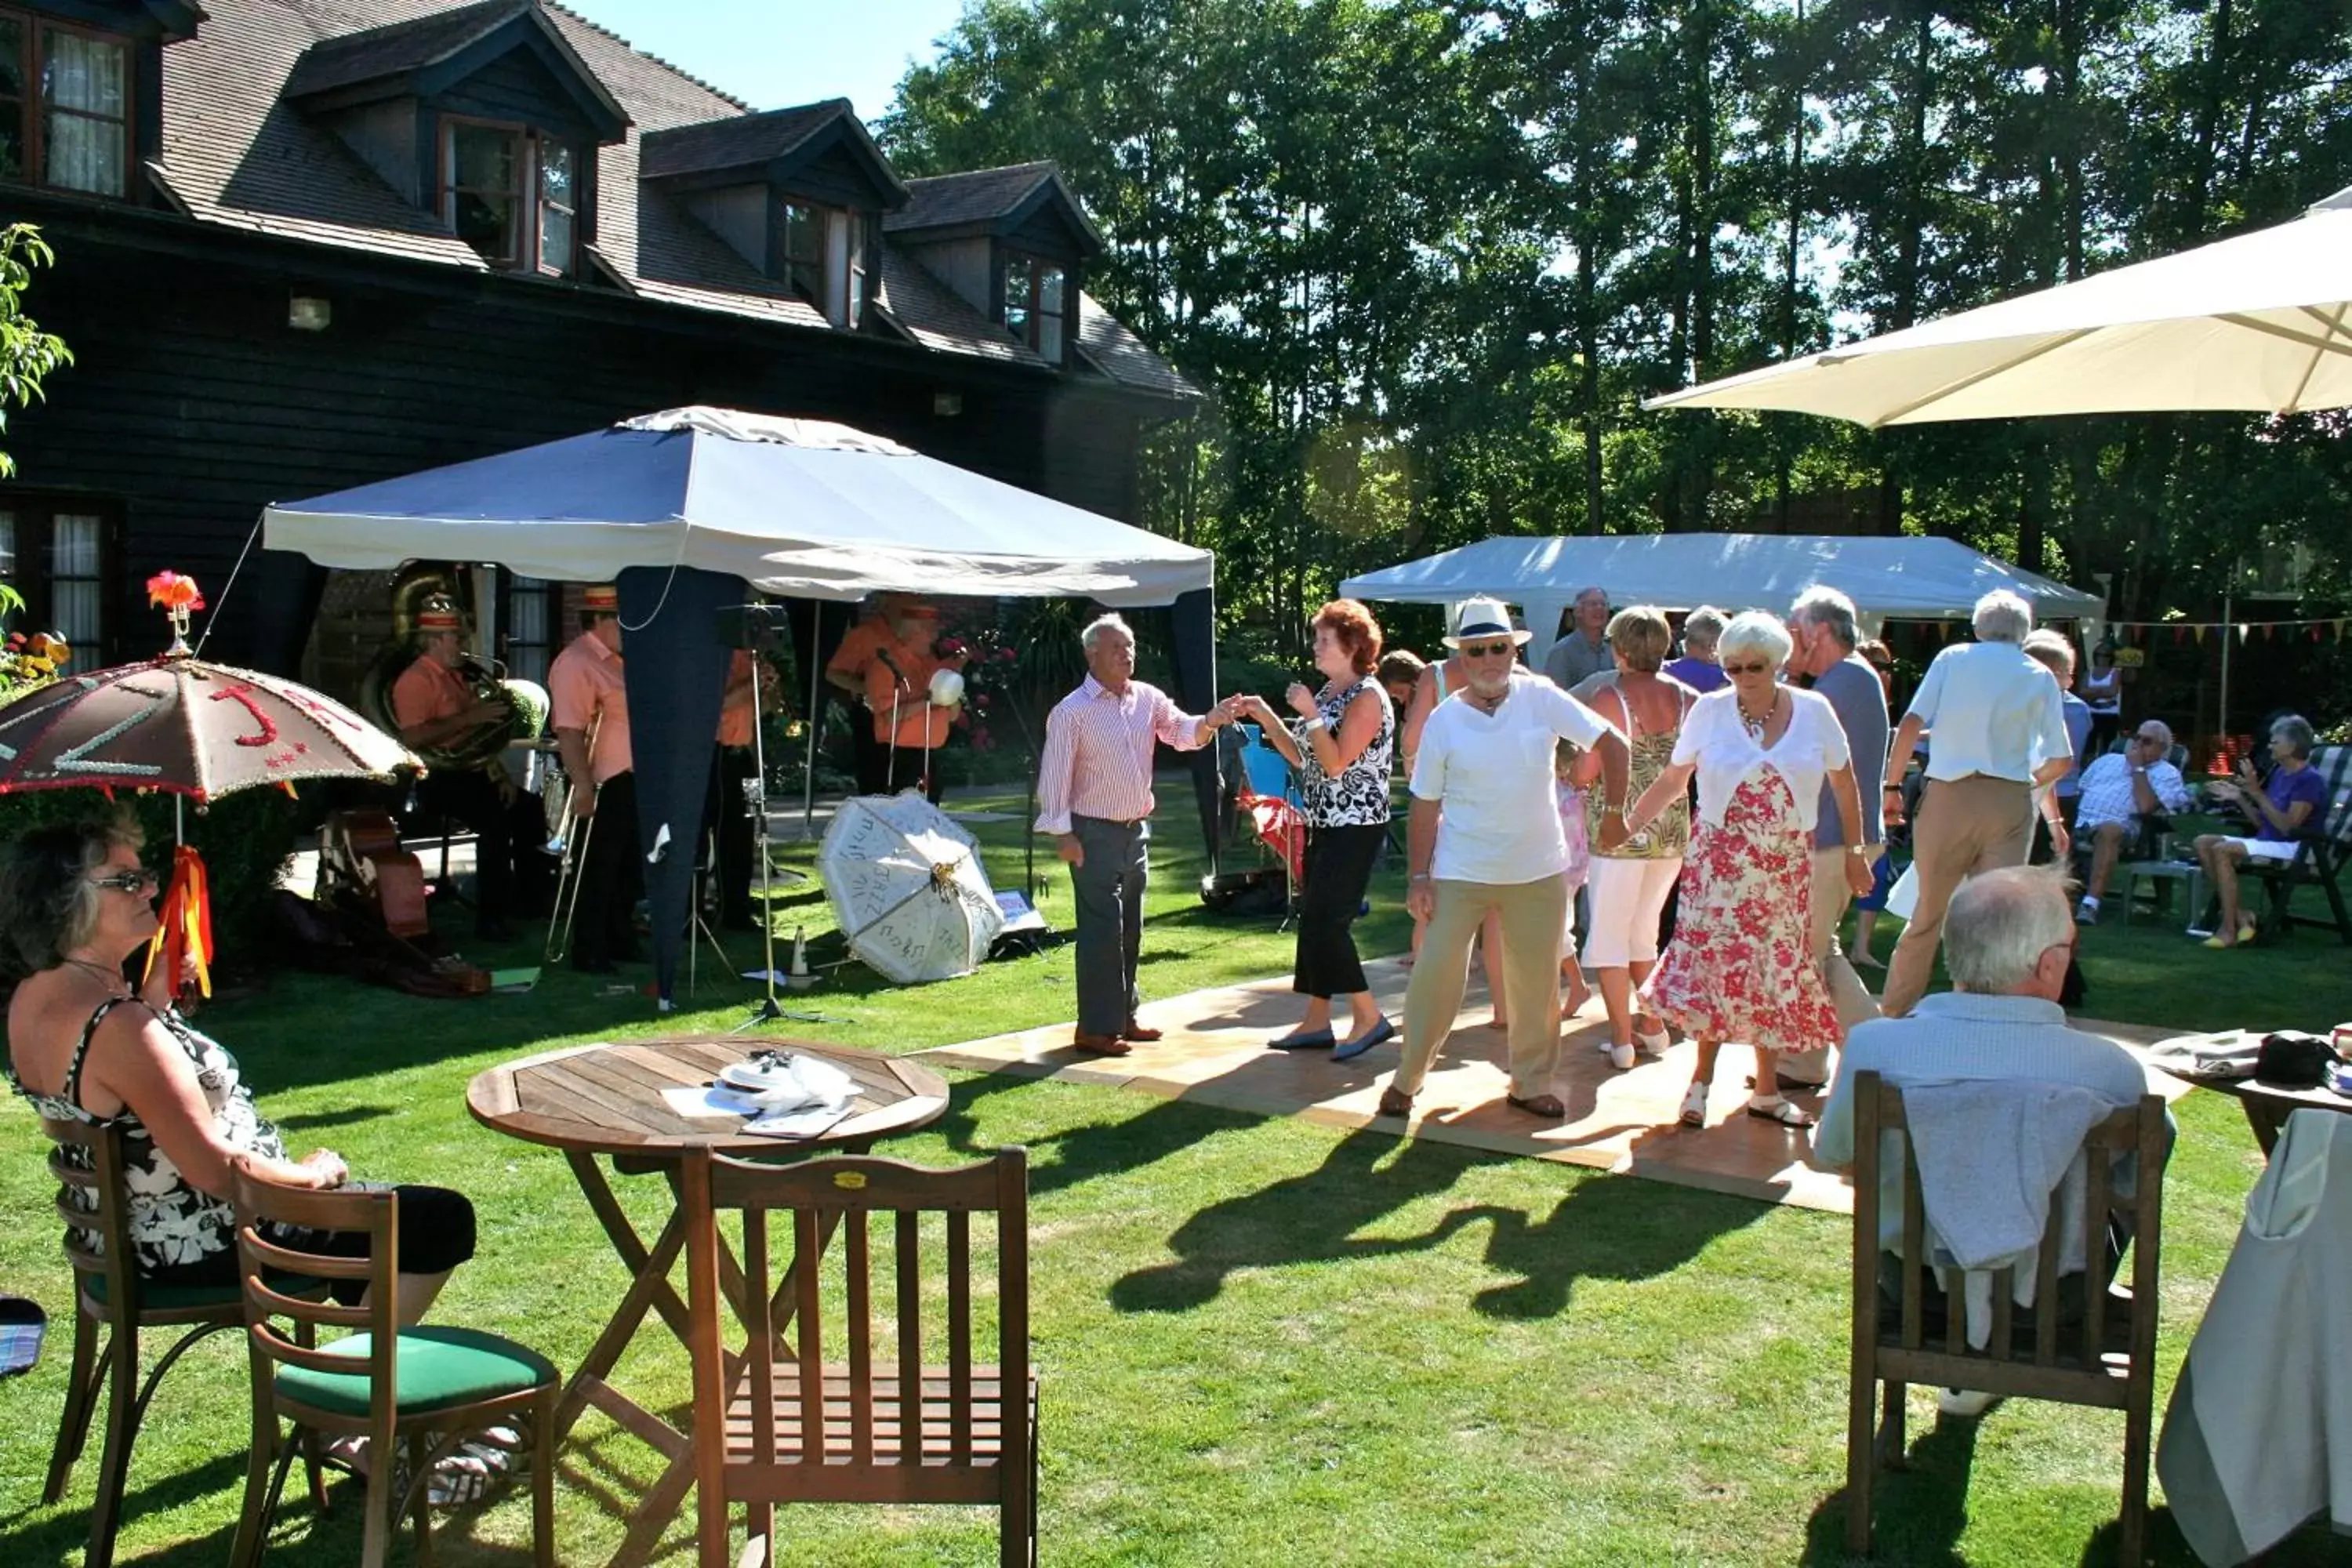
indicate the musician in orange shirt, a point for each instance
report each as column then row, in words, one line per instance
column 591, row 717
column 434, row 707
column 886, row 662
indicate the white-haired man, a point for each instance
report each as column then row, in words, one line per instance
column 1999, row 736
column 1823, row 633
column 1698, row 668
column 2007, row 942
column 1094, row 795
column 2120, row 791
column 1584, row 652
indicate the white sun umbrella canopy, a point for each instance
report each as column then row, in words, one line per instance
column 908, row 887
column 2261, row 322
column 802, row 507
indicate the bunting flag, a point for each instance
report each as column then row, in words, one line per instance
column 2128, row 631
column 186, row 931
column 2200, row 634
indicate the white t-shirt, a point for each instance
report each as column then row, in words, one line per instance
column 1807, row 752
column 1990, row 710
column 1492, row 773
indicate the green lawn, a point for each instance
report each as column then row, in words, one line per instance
column 1261, row 1341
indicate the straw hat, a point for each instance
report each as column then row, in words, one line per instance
column 600, row 599
column 1482, row 618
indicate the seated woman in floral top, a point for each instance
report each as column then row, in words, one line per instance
column 74, row 904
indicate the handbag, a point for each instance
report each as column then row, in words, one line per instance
column 2292, row 1059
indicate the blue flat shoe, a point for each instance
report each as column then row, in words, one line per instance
column 1308, row 1040
column 1378, row 1033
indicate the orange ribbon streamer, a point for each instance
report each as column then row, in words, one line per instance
column 186, row 931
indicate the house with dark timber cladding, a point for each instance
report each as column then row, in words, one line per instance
column 303, row 245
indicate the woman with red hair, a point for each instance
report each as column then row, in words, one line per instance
column 1344, row 750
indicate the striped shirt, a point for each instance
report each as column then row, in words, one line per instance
column 1098, row 759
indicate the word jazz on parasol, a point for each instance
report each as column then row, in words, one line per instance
column 180, row 725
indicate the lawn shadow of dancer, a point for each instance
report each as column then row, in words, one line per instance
column 1606, row 1228
column 1310, row 1219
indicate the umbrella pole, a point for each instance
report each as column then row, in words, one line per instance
column 2229, row 630
column 768, row 1009
column 816, row 696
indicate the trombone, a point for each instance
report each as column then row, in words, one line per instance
column 570, row 840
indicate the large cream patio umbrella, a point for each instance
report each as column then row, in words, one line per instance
column 2261, row 322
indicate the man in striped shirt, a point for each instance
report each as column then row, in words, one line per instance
column 1094, row 795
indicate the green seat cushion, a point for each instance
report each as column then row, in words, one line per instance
column 182, row 1298
column 434, row 1368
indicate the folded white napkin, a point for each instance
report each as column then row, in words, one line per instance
column 809, row 1095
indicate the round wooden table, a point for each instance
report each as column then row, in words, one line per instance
column 2267, row 1105
column 616, row 1100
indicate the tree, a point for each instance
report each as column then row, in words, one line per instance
column 27, row 354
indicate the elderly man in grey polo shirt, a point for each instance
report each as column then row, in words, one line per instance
column 1584, row 651
column 1999, row 736
column 1821, row 626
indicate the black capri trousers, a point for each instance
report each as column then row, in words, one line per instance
column 1338, row 869
column 437, row 1233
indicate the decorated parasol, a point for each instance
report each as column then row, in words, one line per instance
column 191, row 728
column 906, row 886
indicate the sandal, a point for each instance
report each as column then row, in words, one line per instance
column 1693, row 1111
column 1778, row 1109
column 1394, row 1103
column 1544, row 1105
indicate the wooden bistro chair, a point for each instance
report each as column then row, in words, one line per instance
column 420, row 1389
column 112, row 1306
column 2108, row 1360
column 931, row 1424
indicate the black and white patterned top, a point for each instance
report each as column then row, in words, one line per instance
column 172, row 1223
column 1359, row 797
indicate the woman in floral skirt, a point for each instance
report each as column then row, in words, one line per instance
column 1740, row 964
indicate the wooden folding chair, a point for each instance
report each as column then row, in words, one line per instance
column 922, row 1427
column 414, row 1392
column 111, row 1305
column 2106, row 1360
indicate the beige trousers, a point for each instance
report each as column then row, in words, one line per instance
column 1848, row 994
column 1965, row 826
column 1531, row 913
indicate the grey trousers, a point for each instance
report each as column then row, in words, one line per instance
column 1109, row 892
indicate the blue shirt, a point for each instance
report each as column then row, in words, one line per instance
column 2078, row 729
column 1700, row 675
column 2285, row 789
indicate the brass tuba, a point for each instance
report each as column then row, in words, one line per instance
column 523, row 704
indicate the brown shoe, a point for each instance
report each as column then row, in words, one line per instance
column 1545, row 1105
column 1099, row 1045
column 1139, row 1033
column 1394, row 1103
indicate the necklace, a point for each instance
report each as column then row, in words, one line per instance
column 1755, row 726
column 114, row 977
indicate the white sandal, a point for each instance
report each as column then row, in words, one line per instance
column 1694, row 1111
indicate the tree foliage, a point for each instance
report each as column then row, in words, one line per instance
column 1429, row 256
column 27, row 354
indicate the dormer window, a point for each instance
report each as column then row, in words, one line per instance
column 1033, row 310
column 65, row 107
column 510, row 193
column 822, row 252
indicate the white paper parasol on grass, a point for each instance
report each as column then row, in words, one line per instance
column 907, row 885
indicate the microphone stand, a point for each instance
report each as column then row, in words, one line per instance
column 767, row 1011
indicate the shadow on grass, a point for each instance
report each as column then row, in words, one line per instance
column 1919, row 1511
column 1607, row 1227
column 1312, row 1218
column 1094, row 1149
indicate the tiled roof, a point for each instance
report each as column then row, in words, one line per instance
column 236, row 155
column 735, row 141
column 397, row 47
column 948, row 201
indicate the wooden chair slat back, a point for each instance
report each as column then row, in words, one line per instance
column 842, row 1427
column 259, row 1201
column 110, row 1220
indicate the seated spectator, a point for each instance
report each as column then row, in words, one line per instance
column 2280, row 807
column 1698, row 668
column 2121, row 792
column 2007, row 941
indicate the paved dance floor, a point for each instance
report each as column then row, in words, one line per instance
column 1214, row 1052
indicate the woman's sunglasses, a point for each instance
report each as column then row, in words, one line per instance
column 1746, row 669
column 141, row 881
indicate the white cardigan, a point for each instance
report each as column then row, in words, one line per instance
column 1812, row 747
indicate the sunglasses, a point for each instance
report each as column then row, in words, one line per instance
column 142, row 882
column 1488, row 649
column 2149, row 739
column 1747, row 668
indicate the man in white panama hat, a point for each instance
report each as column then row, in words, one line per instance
column 1485, row 837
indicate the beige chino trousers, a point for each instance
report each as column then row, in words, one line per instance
column 1966, row 825
column 1532, row 914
